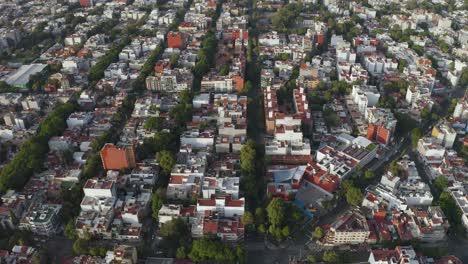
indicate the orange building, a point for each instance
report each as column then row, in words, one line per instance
column 117, row 157
column 240, row 34
column 238, row 82
column 175, row 40
column 162, row 65
column 86, row 3
column 320, row 38
column 377, row 132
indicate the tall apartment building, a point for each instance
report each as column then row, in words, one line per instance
column 444, row 134
column 42, row 219
column 461, row 109
column 382, row 124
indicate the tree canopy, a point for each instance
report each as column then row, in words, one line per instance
column 32, row 152
column 215, row 250
column 416, row 134
column 157, row 201
column 276, row 212
column 331, row 257
column 318, row 232
column 247, row 156
column 352, row 193
column 285, row 18
column 166, row 161
column 175, row 234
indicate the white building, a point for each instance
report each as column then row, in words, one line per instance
column 168, row 212
column 100, row 188
column 220, row 186
column 224, row 205
column 197, row 139
column 461, row 198
column 79, row 119
column 201, row 99
column 444, row 135
column 461, row 109
column 365, row 96
column 430, row 151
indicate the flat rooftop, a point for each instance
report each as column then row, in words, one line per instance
column 21, row 76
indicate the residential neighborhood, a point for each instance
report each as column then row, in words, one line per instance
column 221, row 131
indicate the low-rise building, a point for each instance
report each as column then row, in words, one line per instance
column 352, row 228
column 117, row 157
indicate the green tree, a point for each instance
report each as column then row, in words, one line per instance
column 211, row 250
column 166, row 161
column 404, row 124
column 283, row 20
column 330, row 256
column 81, row 247
column 452, row 212
column 247, row 87
column 318, row 232
column 98, row 251
column 464, row 78
column 247, row 218
column 248, row 156
column 224, row 70
column 453, row 104
column 153, row 123
column 174, row 60
column 240, row 255
column 311, row 259
column 331, row 118
column 426, row 114
column 175, row 234
column 261, row 228
column 443, row 46
column 418, row 49
column 354, row 196
column 157, row 201
column 163, row 141
column 285, row 231
column 441, row 183
column 369, row 175
column 416, row 134
column 40, row 257
column 181, row 113
column 181, row 253
column 70, row 230
column 402, row 65
column 260, row 215
column 276, row 212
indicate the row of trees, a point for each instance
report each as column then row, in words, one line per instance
column 215, row 250
column 177, row 242
column 452, row 212
column 251, row 165
column 139, row 83
column 93, row 167
column 277, row 221
column 97, row 71
column 86, row 246
column 32, row 152
column 205, row 57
